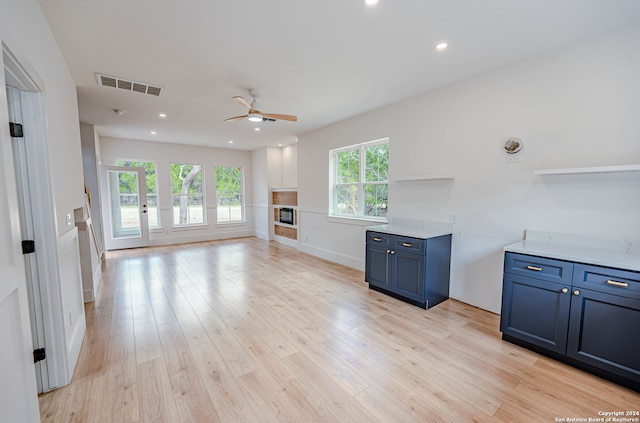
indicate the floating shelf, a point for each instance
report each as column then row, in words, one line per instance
column 426, row 178
column 583, row 170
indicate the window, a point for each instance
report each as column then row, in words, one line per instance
column 188, row 194
column 361, row 180
column 230, row 201
column 152, row 192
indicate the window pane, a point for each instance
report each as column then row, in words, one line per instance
column 347, row 199
column 377, row 163
column 376, row 200
column 188, row 198
column 150, row 180
column 348, row 167
column 229, row 194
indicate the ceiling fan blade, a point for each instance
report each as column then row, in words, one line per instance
column 290, row 118
column 236, row 118
column 241, row 101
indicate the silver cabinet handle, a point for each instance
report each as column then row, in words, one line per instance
column 616, row 283
column 377, row 239
column 565, row 290
column 576, row 292
column 536, row 268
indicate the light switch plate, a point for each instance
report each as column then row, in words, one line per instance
column 69, row 221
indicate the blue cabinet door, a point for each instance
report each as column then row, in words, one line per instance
column 377, row 267
column 536, row 311
column 407, row 275
column 604, row 332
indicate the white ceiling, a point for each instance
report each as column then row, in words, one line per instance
column 323, row 61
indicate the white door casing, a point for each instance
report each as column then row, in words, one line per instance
column 123, row 231
column 18, row 392
column 62, row 317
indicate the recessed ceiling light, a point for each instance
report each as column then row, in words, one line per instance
column 370, row 2
column 162, row 115
column 256, row 129
column 279, row 145
column 441, row 46
column 153, row 132
column 230, row 141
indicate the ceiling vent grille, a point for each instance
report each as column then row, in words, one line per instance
column 123, row 84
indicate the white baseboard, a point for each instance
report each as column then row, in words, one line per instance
column 353, row 262
column 174, row 239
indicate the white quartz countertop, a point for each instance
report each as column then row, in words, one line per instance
column 423, row 231
column 581, row 254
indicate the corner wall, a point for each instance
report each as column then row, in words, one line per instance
column 575, row 107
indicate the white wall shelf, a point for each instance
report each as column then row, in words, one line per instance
column 583, row 170
column 426, row 178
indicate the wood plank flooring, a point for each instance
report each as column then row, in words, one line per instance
column 246, row 330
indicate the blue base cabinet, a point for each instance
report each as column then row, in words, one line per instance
column 414, row 270
column 587, row 316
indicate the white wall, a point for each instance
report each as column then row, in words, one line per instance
column 26, row 34
column 163, row 154
column 289, row 166
column 89, row 140
column 576, row 107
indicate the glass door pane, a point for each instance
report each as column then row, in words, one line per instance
column 125, row 203
column 125, row 216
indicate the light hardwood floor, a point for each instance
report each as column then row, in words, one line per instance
column 245, row 330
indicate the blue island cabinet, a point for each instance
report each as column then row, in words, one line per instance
column 414, row 270
column 584, row 315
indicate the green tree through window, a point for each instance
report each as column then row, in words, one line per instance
column 361, row 175
column 150, row 180
column 229, row 196
column 188, row 194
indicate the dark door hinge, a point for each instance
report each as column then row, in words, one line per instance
column 28, row 247
column 16, row 130
column 39, row 355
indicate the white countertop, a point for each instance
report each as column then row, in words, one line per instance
column 425, row 230
column 576, row 253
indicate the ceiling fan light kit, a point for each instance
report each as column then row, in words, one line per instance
column 254, row 117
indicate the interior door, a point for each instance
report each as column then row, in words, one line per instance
column 123, row 192
column 18, row 392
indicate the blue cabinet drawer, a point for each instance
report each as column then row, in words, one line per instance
column 551, row 270
column 378, row 238
column 409, row 245
column 620, row 282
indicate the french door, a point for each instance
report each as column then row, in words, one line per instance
column 124, row 207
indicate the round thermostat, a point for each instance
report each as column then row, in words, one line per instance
column 513, row 145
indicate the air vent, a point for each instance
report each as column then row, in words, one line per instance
column 123, row 84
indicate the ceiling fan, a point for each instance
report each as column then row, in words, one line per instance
column 255, row 115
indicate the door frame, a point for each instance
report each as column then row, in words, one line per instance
column 58, row 369
column 105, row 200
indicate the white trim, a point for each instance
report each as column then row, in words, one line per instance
column 594, row 169
column 58, row 372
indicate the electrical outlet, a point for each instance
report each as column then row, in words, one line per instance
column 512, row 159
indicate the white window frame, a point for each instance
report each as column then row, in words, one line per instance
column 242, row 203
column 173, row 195
column 333, row 178
column 157, row 194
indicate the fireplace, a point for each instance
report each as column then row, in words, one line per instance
column 286, row 215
